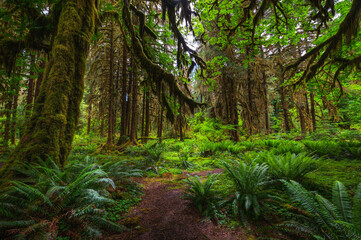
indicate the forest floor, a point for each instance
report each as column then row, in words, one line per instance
column 164, row 215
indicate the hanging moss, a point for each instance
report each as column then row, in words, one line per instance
column 50, row 131
column 156, row 73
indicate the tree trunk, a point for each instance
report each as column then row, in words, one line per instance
column 110, row 85
column 301, row 113
column 129, row 102
column 143, row 114
column 8, row 107
column 313, row 113
column 123, row 120
column 147, row 114
column 284, row 104
column 30, row 96
column 39, row 80
column 89, row 118
column 160, row 123
column 266, row 115
column 14, row 117
column 134, row 124
column 50, row 131
column 180, row 124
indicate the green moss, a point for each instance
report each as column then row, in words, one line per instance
column 346, row 171
column 51, row 129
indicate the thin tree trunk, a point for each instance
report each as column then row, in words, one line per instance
column 143, row 114
column 313, row 113
column 180, row 124
column 134, row 125
column 160, row 123
column 14, row 118
column 250, row 98
column 284, row 105
column 129, row 102
column 110, row 85
column 30, row 96
column 266, row 115
column 301, row 113
column 147, row 114
column 102, row 127
column 123, row 120
column 89, row 118
column 8, row 107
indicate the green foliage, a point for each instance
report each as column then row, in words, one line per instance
column 183, row 154
column 351, row 149
column 119, row 207
column 154, row 153
column 202, row 194
column 290, row 166
column 326, row 219
column 289, row 146
column 60, row 202
column 208, row 129
column 251, row 190
column 323, row 148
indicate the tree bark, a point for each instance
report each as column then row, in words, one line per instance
column 110, row 85
column 160, row 123
column 123, row 120
column 14, row 117
column 89, row 119
column 266, row 115
column 8, row 107
column 50, row 131
column 147, row 114
column 313, row 113
column 134, row 124
column 39, row 80
column 30, row 96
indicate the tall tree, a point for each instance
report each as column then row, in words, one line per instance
column 50, row 131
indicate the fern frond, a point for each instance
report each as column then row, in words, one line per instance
column 97, row 221
column 16, row 224
column 31, row 192
column 342, row 201
column 306, row 200
column 356, row 211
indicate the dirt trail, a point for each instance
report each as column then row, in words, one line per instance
column 164, row 215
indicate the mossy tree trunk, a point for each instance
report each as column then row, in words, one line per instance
column 134, row 122
column 51, row 128
column 123, row 120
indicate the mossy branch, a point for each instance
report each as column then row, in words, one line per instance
column 348, row 29
column 156, row 73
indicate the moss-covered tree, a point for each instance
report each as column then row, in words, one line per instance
column 50, row 131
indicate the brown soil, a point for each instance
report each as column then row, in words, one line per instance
column 164, row 215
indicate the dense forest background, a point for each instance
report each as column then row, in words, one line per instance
column 245, row 78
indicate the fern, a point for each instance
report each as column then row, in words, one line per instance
column 76, row 193
column 202, row 194
column 330, row 220
column 250, row 182
column 356, row 211
column 342, row 201
column 290, row 166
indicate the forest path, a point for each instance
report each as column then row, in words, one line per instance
column 164, row 215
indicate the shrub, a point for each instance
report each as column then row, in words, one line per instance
column 290, row 166
column 66, row 202
column 324, row 219
column 250, row 183
column 289, row 146
column 154, row 155
column 323, row 148
column 202, row 194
